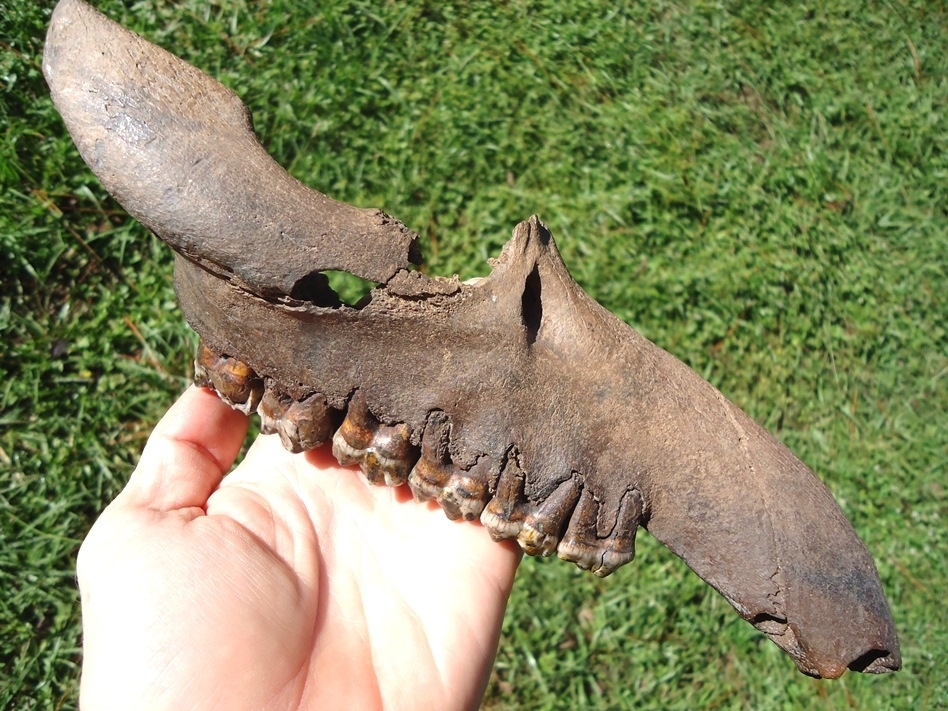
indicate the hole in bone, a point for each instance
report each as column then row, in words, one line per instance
column 315, row 288
column 333, row 289
column 353, row 291
column 531, row 305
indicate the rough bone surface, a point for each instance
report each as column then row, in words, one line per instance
column 516, row 399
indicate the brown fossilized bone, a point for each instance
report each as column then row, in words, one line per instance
column 516, row 399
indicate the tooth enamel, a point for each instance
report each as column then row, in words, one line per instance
column 235, row 382
column 464, row 496
column 535, row 542
column 499, row 527
column 345, row 453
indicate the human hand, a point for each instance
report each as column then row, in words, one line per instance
column 291, row 583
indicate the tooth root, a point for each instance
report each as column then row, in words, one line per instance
column 505, row 514
column 579, row 544
column 541, row 530
column 602, row 556
column 359, row 426
column 432, row 471
column 236, row 382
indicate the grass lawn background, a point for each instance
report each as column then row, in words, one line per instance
column 760, row 189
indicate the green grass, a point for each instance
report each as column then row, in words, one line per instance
column 760, row 189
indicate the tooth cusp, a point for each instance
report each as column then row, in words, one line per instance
column 428, row 479
column 301, row 424
column 463, row 497
column 235, row 382
column 390, row 455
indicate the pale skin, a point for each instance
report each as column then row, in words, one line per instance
column 290, row 583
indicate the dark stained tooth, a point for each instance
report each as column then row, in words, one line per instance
column 601, row 555
column 302, row 425
column 579, row 544
column 384, row 452
column 390, row 455
column 433, row 468
column 273, row 407
column 466, row 492
column 310, row 422
column 621, row 548
column 505, row 513
column 359, row 426
column 541, row 530
column 235, row 382
column 427, row 479
column 355, row 433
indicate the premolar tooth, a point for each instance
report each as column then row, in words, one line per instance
column 505, row 513
column 541, row 530
column 602, row 555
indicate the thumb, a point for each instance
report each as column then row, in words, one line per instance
column 187, row 454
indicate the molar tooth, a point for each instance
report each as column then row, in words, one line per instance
column 359, row 426
column 354, row 435
column 433, row 469
column 584, row 556
column 302, row 424
column 272, row 408
column 580, row 544
column 467, row 491
column 499, row 526
column 236, row 382
column 534, row 541
column 384, row 452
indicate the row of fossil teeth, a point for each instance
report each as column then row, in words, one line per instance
column 565, row 522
